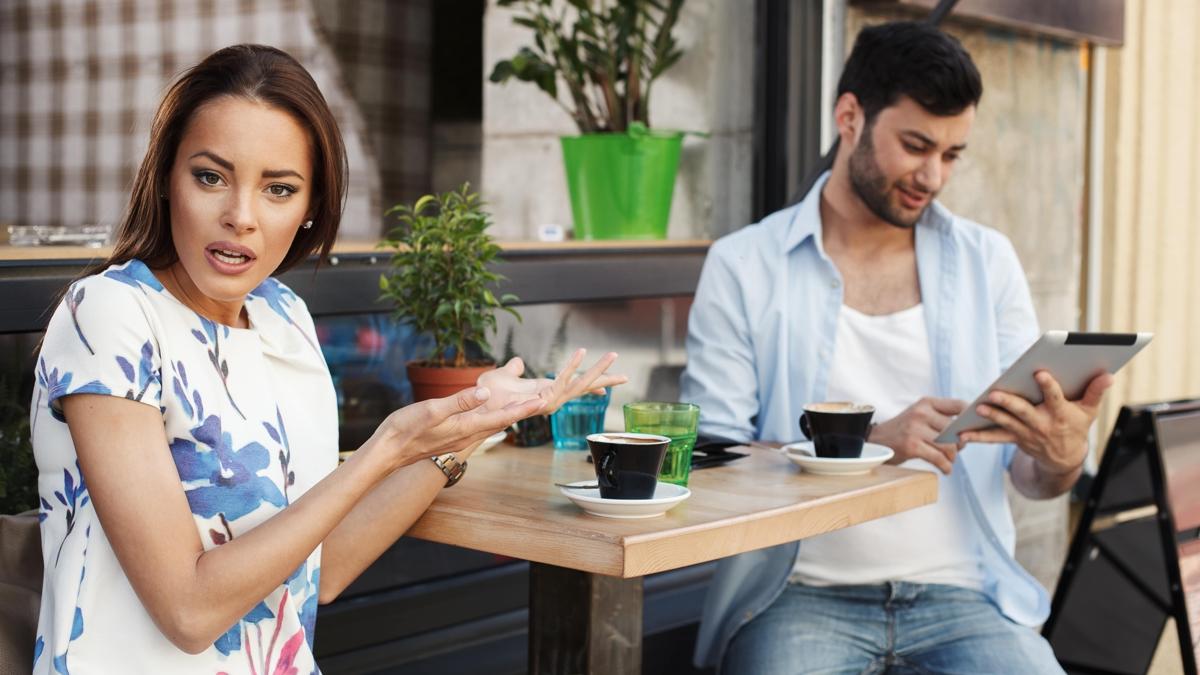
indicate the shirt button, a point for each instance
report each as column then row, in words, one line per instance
column 834, row 283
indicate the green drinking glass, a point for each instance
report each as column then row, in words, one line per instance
column 675, row 420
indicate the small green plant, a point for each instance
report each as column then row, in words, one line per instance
column 608, row 56
column 439, row 281
column 18, row 471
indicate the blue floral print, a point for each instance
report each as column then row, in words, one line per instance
column 220, row 480
column 74, row 299
column 280, row 298
column 60, row 661
column 73, row 496
column 231, row 641
column 56, row 385
column 211, row 337
column 136, row 274
column 146, row 373
column 285, row 452
column 308, row 611
column 179, row 384
column 240, row 457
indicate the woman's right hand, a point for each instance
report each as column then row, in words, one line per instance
column 507, row 384
column 440, row 425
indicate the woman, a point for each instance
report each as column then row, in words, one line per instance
column 184, row 421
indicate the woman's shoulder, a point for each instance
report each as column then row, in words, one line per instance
column 117, row 294
column 281, row 299
column 129, row 278
column 104, row 337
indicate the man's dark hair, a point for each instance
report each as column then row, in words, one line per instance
column 911, row 59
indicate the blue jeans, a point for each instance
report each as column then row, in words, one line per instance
column 896, row 627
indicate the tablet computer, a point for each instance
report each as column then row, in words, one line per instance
column 1072, row 358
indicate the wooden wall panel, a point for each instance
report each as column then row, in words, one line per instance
column 1150, row 235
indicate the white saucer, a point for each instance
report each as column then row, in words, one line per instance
column 666, row 496
column 873, row 455
column 490, row 442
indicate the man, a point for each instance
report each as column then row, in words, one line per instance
column 869, row 291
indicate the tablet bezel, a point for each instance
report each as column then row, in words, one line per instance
column 1072, row 357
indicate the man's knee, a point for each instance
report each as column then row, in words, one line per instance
column 1004, row 647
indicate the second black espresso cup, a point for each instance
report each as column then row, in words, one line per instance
column 627, row 464
column 837, row 430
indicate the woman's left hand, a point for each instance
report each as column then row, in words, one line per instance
column 506, row 384
column 1054, row 432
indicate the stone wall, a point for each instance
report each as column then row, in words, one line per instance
column 710, row 89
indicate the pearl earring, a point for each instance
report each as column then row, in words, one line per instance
column 307, row 225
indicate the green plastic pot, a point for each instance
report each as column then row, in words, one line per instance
column 621, row 183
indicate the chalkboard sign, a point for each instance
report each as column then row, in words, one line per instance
column 1135, row 559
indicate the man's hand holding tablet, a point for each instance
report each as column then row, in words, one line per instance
column 1046, row 402
column 1053, row 432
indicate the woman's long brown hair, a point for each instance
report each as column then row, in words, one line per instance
column 257, row 73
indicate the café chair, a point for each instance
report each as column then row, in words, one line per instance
column 20, row 590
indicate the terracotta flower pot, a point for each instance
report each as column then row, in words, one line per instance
column 439, row 382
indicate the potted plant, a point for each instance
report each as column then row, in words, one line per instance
column 607, row 53
column 439, row 282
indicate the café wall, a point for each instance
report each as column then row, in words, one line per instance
column 79, row 84
column 1149, row 237
column 708, row 90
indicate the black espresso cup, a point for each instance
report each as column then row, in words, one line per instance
column 837, row 430
column 627, row 464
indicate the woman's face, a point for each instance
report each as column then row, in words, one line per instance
column 239, row 189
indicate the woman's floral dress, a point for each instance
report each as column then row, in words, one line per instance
column 250, row 419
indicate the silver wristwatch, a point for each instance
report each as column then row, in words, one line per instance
column 450, row 466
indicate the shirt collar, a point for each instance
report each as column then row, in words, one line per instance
column 806, row 218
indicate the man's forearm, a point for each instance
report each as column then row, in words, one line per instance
column 1036, row 481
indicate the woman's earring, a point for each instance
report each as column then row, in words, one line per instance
column 307, row 225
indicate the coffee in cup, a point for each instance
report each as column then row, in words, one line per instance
column 837, row 429
column 627, row 464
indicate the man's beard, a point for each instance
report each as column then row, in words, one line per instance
column 871, row 185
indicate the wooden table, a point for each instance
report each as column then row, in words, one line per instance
column 585, row 613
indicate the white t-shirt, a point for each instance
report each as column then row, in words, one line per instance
column 885, row 361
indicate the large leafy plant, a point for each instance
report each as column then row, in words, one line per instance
column 607, row 52
column 439, row 280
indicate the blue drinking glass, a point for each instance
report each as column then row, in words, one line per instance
column 571, row 424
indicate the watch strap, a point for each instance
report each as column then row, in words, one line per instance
column 451, row 467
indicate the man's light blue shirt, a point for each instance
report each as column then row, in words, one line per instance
column 760, row 341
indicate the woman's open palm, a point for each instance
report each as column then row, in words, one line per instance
column 440, row 425
column 507, row 386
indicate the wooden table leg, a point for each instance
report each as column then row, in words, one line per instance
column 583, row 623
